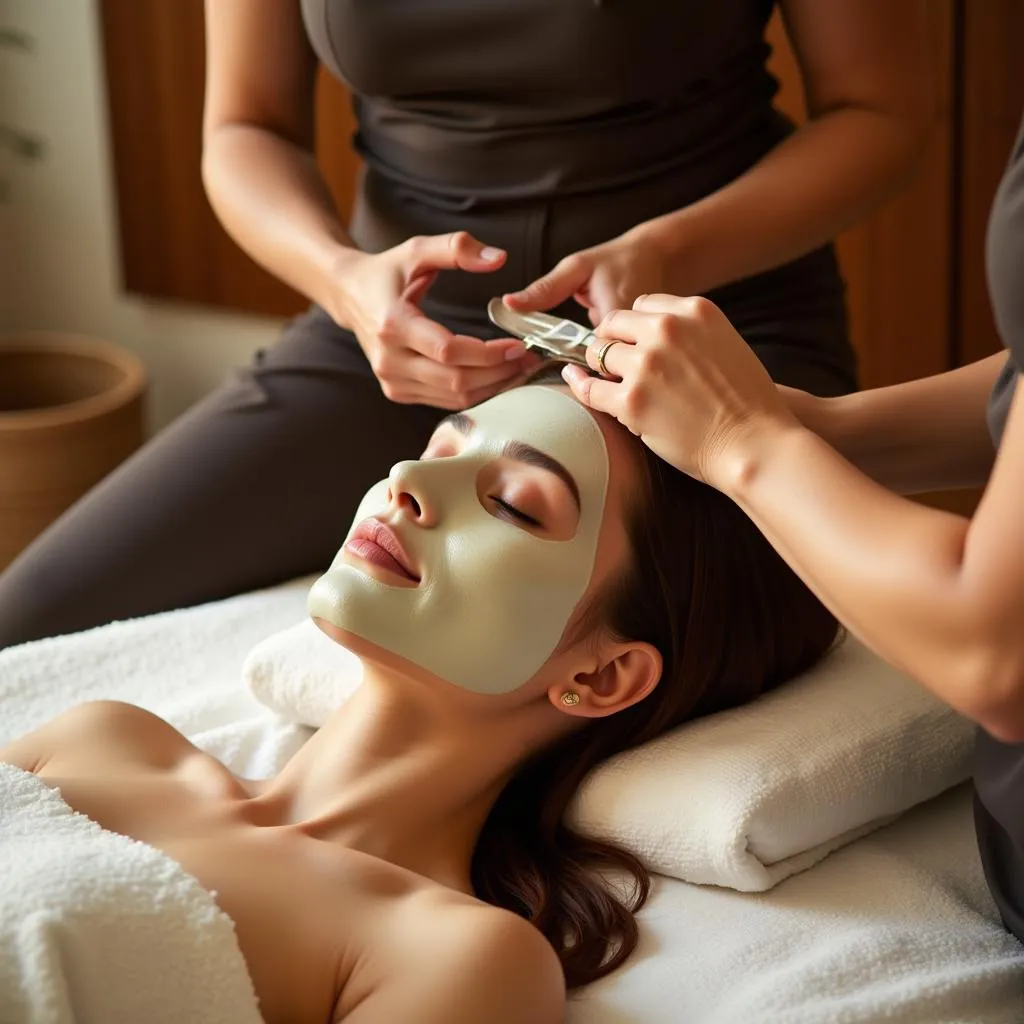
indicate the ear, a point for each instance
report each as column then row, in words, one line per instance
column 624, row 675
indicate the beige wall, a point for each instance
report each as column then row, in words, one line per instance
column 58, row 229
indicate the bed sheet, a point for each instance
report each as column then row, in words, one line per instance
column 897, row 926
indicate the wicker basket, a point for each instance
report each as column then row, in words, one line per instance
column 71, row 409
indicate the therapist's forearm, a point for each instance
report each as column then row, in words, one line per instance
column 890, row 569
column 813, row 186
column 925, row 435
column 269, row 195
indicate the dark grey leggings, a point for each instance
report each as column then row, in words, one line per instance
column 256, row 484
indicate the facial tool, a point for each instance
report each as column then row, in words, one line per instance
column 552, row 336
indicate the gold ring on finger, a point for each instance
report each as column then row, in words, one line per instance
column 602, row 352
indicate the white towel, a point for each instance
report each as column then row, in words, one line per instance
column 751, row 796
column 896, row 926
column 182, row 665
column 301, row 673
column 741, row 799
column 98, row 927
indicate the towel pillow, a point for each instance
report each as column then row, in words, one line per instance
column 743, row 798
column 301, row 673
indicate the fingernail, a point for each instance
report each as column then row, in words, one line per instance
column 515, row 352
column 489, row 253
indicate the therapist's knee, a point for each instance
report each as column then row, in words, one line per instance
column 36, row 599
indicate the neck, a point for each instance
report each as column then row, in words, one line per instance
column 398, row 774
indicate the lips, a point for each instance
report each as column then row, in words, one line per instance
column 374, row 542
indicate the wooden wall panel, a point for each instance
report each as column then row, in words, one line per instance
column 992, row 100
column 896, row 263
column 172, row 246
column 989, row 88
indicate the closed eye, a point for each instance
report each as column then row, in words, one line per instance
column 510, row 512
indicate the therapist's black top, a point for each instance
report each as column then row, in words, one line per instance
column 999, row 767
column 548, row 126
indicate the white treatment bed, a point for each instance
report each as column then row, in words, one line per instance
column 897, row 926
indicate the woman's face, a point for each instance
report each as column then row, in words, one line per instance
column 470, row 563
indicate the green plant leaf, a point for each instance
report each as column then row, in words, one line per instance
column 28, row 147
column 17, row 40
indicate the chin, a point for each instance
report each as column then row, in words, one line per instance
column 339, row 636
column 369, row 652
column 362, row 648
column 391, row 666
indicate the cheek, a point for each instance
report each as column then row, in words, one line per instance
column 516, row 585
column 509, row 559
column 556, row 672
column 610, row 568
column 583, row 624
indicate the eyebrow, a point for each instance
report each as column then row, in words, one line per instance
column 521, row 452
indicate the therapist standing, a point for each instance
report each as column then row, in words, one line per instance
column 561, row 150
column 940, row 596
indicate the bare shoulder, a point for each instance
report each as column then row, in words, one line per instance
column 500, row 952
column 483, row 964
column 107, row 724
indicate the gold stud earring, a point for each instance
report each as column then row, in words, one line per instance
column 570, row 698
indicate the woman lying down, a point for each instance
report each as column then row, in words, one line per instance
column 535, row 593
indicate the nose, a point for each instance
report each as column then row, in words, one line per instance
column 408, row 491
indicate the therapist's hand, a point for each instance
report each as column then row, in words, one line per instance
column 687, row 384
column 417, row 360
column 605, row 277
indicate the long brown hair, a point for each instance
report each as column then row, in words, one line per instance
column 731, row 621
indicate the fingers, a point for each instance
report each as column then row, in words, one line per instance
column 422, row 362
column 603, row 296
column 418, row 286
column 567, row 278
column 461, row 382
column 458, row 250
column 619, row 335
column 407, row 393
column 687, row 306
column 610, row 357
column 656, row 303
column 593, row 392
column 625, row 325
column 437, row 343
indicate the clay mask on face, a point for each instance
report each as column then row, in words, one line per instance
column 493, row 599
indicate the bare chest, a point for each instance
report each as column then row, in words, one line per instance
column 305, row 911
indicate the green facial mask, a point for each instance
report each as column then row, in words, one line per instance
column 493, row 599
